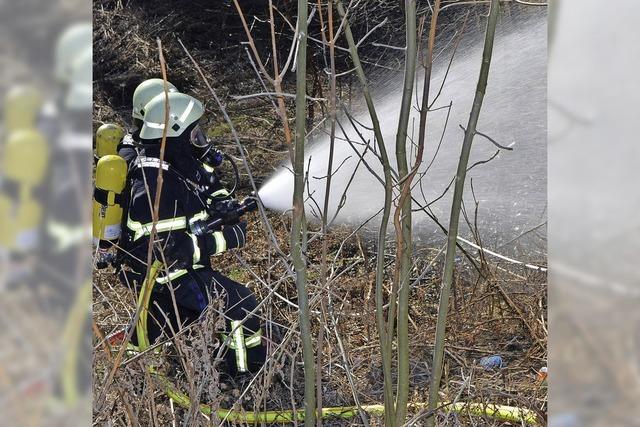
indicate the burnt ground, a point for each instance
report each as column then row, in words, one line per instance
column 498, row 309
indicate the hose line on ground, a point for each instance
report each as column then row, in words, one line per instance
column 499, row 412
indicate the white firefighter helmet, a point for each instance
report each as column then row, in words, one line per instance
column 75, row 39
column 145, row 92
column 79, row 96
column 184, row 110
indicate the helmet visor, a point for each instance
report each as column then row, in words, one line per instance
column 198, row 138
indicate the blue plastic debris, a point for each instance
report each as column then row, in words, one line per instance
column 489, row 363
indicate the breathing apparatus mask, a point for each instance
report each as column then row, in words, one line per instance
column 203, row 149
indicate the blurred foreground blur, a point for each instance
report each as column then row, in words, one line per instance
column 45, row 165
column 594, row 226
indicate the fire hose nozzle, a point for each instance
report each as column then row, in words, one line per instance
column 250, row 203
column 200, row 228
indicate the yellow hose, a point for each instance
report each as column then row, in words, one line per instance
column 72, row 338
column 143, row 302
column 498, row 412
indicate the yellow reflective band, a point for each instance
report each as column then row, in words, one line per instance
column 67, row 236
column 176, row 274
column 207, row 168
column 254, row 340
column 217, row 194
column 133, row 350
column 163, row 225
column 196, row 248
column 200, row 216
column 173, row 275
column 238, row 341
column 221, row 242
column 222, row 192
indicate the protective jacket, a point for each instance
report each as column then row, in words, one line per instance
column 183, row 201
column 188, row 194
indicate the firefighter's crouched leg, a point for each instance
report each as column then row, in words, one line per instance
column 247, row 353
column 243, row 337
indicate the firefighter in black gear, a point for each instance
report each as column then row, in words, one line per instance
column 189, row 194
column 66, row 235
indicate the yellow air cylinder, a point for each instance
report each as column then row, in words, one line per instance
column 24, row 165
column 26, row 159
column 111, row 177
column 108, row 136
column 21, row 108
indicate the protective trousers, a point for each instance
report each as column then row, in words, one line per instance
column 193, row 293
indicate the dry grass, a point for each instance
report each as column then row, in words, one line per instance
column 500, row 314
column 501, row 311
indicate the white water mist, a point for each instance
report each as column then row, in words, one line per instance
column 510, row 189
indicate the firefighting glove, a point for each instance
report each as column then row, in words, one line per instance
column 179, row 250
column 228, row 211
